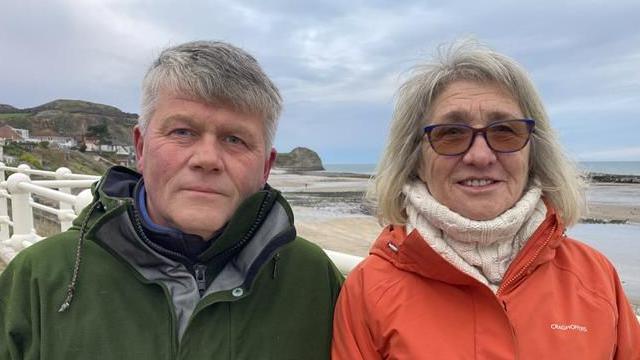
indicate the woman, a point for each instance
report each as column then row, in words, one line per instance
column 475, row 262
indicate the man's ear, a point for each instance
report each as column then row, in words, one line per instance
column 271, row 160
column 138, row 142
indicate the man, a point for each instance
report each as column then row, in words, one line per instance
column 196, row 257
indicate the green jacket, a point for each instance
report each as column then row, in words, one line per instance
column 273, row 299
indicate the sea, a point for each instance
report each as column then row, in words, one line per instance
column 606, row 167
column 620, row 243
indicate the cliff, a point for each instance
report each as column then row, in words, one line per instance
column 299, row 159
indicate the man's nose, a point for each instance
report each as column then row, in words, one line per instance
column 479, row 154
column 207, row 155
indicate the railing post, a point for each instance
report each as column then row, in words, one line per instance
column 23, row 167
column 22, row 213
column 83, row 199
column 4, row 209
column 67, row 214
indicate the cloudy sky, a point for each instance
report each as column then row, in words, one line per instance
column 338, row 63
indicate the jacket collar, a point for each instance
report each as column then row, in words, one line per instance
column 260, row 226
column 410, row 252
column 114, row 195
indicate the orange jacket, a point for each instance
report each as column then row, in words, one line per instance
column 560, row 300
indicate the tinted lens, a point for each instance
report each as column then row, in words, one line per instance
column 508, row 136
column 450, row 139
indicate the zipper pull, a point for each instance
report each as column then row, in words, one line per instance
column 201, row 277
column 276, row 257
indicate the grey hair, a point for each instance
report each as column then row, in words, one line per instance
column 216, row 73
column 469, row 60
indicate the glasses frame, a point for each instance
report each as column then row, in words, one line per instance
column 483, row 131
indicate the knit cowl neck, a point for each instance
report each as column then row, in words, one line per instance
column 481, row 249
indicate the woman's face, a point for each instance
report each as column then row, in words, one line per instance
column 479, row 184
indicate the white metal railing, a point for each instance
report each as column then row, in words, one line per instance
column 17, row 232
column 344, row 262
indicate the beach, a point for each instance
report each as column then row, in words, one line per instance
column 329, row 211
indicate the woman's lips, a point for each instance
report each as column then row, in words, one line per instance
column 477, row 182
column 476, row 185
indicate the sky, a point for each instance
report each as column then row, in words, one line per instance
column 338, row 63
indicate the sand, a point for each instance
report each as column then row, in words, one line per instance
column 327, row 224
column 621, row 202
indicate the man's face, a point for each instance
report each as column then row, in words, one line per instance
column 199, row 162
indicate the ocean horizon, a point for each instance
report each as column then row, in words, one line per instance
column 605, row 167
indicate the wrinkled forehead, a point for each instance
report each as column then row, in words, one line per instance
column 471, row 101
column 166, row 94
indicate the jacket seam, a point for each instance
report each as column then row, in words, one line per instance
column 582, row 284
column 475, row 323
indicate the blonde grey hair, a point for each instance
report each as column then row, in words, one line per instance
column 216, row 73
column 469, row 60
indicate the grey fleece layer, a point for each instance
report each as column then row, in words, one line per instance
column 179, row 282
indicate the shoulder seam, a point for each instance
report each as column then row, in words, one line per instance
column 584, row 286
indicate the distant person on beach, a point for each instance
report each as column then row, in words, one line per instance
column 196, row 256
column 474, row 263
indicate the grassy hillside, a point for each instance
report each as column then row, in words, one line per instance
column 73, row 118
column 44, row 158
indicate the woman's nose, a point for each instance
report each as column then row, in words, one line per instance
column 479, row 154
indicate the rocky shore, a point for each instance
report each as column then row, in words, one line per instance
column 344, row 192
column 611, row 178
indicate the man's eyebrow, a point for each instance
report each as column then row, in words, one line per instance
column 173, row 119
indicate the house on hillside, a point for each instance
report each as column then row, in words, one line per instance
column 9, row 133
column 91, row 144
column 23, row 132
column 94, row 145
column 125, row 155
column 22, row 136
column 63, row 142
column 124, row 150
column 6, row 159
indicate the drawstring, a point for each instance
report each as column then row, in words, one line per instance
column 71, row 288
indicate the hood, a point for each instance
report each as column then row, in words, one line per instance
column 114, row 188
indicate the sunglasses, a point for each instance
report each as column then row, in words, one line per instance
column 502, row 136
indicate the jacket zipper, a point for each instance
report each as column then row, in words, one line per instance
column 276, row 257
column 516, row 277
column 200, row 272
column 249, row 234
column 522, row 271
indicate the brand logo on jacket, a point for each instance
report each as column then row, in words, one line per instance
column 569, row 327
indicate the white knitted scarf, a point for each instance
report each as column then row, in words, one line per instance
column 482, row 249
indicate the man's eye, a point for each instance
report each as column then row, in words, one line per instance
column 182, row 132
column 233, row 139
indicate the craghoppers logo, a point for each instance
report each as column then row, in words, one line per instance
column 569, row 327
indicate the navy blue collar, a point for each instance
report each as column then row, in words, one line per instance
column 171, row 239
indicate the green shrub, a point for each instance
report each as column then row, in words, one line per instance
column 31, row 160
